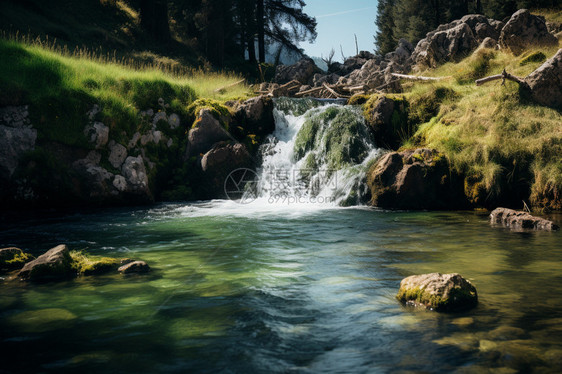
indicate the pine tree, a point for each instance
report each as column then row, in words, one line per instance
column 384, row 38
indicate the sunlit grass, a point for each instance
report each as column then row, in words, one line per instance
column 494, row 133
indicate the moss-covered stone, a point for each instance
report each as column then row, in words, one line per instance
column 387, row 117
column 218, row 110
column 13, row 258
column 90, row 265
column 439, row 292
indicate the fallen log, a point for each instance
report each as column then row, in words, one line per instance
column 224, row 88
column 336, row 95
column 503, row 76
column 308, row 92
column 417, row 78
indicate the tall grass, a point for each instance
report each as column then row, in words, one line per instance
column 62, row 85
column 510, row 147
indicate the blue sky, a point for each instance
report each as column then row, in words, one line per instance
column 337, row 21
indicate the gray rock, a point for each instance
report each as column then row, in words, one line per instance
column 439, row 292
column 546, row 82
column 302, row 71
column 97, row 133
column 117, row 154
column 319, row 79
column 489, row 43
column 120, row 183
column 134, row 140
column 134, row 172
column 56, row 263
column 15, row 116
column 134, row 267
column 93, row 112
column 448, row 43
column 520, row 220
column 524, row 30
column 174, row 121
column 159, row 116
column 94, row 178
column 208, row 132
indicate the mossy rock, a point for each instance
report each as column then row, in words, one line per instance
column 438, row 292
column 218, row 110
column 13, row 258
column 91, row 265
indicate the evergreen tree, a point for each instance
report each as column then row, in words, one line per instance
column 384, row 38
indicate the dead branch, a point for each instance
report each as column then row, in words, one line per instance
column 334, row 92
column 417, row 78
column 308, row 92
column 503, row 76
column 222, row 89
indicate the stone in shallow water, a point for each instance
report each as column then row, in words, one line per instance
column 521, row 220
column 134, row 267
column 439, row 292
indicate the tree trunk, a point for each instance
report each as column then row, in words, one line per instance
column 260, row 17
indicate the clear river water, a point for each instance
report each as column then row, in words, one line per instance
column 282, row 285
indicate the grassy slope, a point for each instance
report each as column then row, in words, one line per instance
column 508, row 146
column 62, row 89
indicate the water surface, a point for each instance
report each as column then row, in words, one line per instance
column 236, row 289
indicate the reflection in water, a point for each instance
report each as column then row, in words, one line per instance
column 242, row 289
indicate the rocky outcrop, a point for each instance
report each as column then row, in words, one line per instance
column 546, row 82
column 302, row 71
column 134, row 173
column 415, row 179
column 350, row 64
column 117, row 154
column 255, row 116
column 134, row 267
column 219, row 162
column 448, row 43
column 520, row 220
column 17, row 136
column 524, row 30
column 56, row 263
column 438, row 292
column 387, row 119
column 207, row 131
column 97, row 133
column 13, row 258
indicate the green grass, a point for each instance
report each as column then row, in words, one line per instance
column 508, row 146
column 63, row 86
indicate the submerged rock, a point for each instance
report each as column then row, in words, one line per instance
column 524, row 30
column 134, row 267
column 439, row 292
column 13, row 258
column 56, row 263
column 520, row 220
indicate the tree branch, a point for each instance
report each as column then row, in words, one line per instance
column 504, row 75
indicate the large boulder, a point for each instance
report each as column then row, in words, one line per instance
column 13, row 258
column 415, row 179
column 546, row 82
column 17, row 136
column 256, row 116
column 219, row 162
column 520, row 220
column 387, row 119
column 302, row 71
column 438, row 292
column 56, row 263
column 449, row 42
column 524, row 30
column 207, row 131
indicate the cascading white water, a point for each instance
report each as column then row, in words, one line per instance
column 318, row 154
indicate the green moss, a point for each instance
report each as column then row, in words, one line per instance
column 85, row 264
column 306, row 138
column 424, row 106
column 458, row 299
column 14, row 258
column 358, row 99
column 533, row 57
column 217, row 109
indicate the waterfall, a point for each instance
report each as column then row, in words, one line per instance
column 319, row 154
